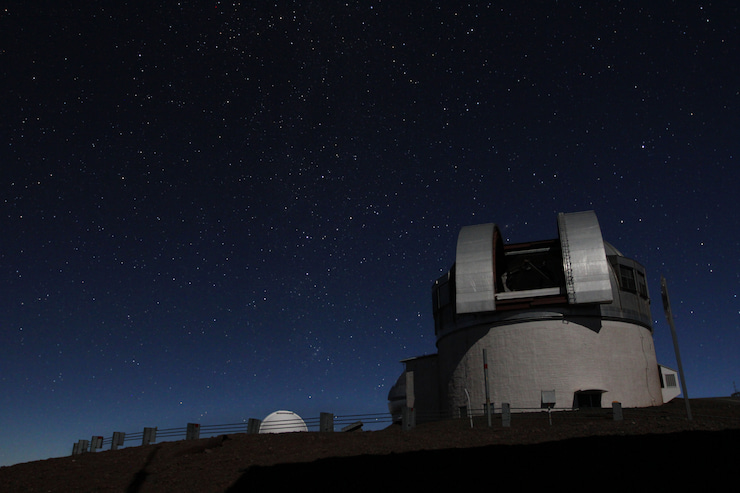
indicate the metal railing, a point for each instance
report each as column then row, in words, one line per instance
column 408, row 419
column 325, row 422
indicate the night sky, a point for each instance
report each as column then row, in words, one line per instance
column 212, row 211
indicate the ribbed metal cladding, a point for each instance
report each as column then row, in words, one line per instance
column 474, row 269
column 584, row 258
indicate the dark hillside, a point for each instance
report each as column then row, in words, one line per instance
column 654, row 447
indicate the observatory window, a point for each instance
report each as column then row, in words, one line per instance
column 627, row 278
column 443, row 298
column 641, row 284
column 532, row 266
column 443, row 295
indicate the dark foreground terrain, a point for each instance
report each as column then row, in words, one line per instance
column 655, row 448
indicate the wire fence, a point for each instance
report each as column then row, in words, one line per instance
column 348, row 422
column 555, row 416
column 501, row 416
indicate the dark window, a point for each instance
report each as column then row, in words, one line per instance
column 444, row 294
column 534, row 266
column 587, row 399
column 641, row 284
column 627, row 277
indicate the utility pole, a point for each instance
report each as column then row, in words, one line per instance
column 485, row 379
column 669, row 316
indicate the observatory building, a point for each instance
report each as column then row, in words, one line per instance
column 563, row 323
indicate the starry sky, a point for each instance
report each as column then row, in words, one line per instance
column 214, row 210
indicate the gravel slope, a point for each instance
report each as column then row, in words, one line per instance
column 655, row 447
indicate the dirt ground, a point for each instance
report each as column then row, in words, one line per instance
column 650, row 447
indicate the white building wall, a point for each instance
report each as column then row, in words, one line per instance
column 670, row 388
column 526, row 358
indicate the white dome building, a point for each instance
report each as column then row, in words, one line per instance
column 565, row 323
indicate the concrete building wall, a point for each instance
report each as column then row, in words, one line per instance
column 526, row 358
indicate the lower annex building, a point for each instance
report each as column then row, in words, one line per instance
column 565, row 323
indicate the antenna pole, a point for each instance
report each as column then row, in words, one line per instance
column 485, row 379
column 669, row 316
column 470, row 409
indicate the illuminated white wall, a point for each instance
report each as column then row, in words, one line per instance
column 528, row 357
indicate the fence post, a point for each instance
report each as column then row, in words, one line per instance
column 150, row 436
column 80, row 447
column 408, row 419
column 505, row 414
column 96, row 443
column 77, row 447
column 253, row 425
column 357, row 425
column 617, row 411
column 326, row 422
column 118, row 438
column 193, row 431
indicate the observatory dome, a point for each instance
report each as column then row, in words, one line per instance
column 282, row 422
column 564, row 322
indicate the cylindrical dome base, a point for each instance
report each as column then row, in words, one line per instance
column 572, row 357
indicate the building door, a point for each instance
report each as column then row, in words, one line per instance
column 587, row 399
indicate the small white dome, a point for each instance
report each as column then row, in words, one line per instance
column 282, row 422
